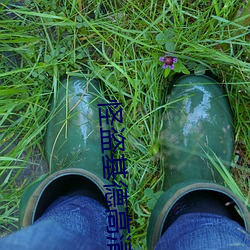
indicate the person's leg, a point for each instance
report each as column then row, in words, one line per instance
column 204, row 231
column 71, row 222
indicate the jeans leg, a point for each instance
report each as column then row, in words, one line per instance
column 76, row 222
column 204, row 231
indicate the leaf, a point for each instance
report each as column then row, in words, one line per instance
column 7, row 178
column 169, row 46
column 191, row 65
column 169, row 33
column 179, row 67
column 148, row 192
column 160, row 38
column 34, row 74
column 185, row 71
column 80, row 56
column 200, row 70
column 151, row 203
column 47, row 58
column 79, row 25
column 158, row 194
column 166, row 72
column 166, row 36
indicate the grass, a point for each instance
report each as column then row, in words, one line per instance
column 45, row 41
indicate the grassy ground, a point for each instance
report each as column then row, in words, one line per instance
column 120, row 43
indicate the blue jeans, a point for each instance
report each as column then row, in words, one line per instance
column 204, row 231
column 80, row 222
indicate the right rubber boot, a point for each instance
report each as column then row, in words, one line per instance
column 197, row 126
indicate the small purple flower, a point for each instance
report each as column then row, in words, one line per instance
column 168, row 61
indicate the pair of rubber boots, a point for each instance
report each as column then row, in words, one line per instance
column 197, row 134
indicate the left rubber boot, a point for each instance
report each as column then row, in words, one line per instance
column 196, row 126
column 73, row 150
column 73, row 134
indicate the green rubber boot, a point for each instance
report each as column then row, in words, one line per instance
column 73, row 134
column 73, row 150
column 197, row 126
